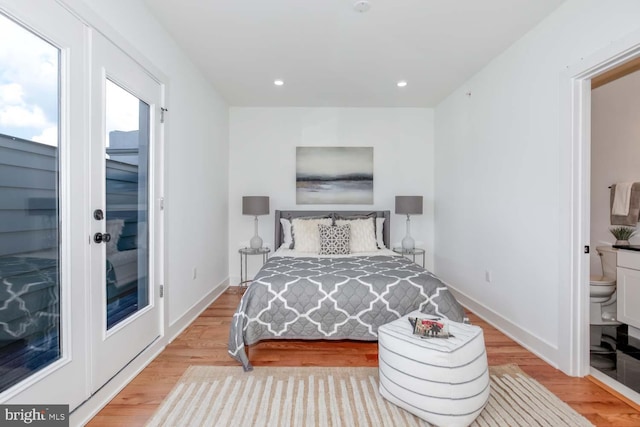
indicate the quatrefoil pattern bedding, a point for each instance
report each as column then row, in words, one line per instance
column 334, row 299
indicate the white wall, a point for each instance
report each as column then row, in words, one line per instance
column 263, row 145
column 196, row 178
column 615, row 152
column 499, row 201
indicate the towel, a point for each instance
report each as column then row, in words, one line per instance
column 621, row 199
column 633, row 214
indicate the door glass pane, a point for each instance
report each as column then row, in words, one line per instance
column 127, row 167
column 29, row 204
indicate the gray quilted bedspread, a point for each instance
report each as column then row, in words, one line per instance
column 333, row 299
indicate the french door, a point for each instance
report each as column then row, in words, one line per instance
column 125, row 129
column 42, row 205
column 80, row 223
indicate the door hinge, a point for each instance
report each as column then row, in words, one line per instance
column 161, row 203
column 161, row 291
column 162, row 111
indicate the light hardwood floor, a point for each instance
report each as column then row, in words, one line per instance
column 205, row 343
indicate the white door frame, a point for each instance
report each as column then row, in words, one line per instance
column 576, row 202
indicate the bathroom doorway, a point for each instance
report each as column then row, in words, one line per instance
column 576, row 193
column 614, row 345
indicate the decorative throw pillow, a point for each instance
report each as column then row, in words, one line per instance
column 287, row 241
column 306, row 234
column 356, row 216
column 304, row 218
column 363, row 234
column 334, row 239
column 380, row 233
column 114, row 228
column 378, row 220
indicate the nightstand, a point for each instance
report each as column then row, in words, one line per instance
column 244, row 253
column 411, row 253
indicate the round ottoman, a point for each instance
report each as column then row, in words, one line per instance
column 444, row 381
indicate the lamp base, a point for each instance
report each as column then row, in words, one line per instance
column 256, row 242
column 408, row 244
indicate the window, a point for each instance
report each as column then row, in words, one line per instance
column 29, row 203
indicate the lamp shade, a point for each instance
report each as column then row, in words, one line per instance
column 410, row 205
column 255, row 205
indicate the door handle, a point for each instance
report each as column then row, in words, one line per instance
column 101, row 237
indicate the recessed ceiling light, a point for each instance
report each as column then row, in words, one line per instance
column 402, row 83
column 278, row 82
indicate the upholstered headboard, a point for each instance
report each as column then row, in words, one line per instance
column 386, row 231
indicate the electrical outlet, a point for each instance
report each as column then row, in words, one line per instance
column 487, row 276
column 194, row 273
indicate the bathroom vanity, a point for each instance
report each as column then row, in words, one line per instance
column 629, row 287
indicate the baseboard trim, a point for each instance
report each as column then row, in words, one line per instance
column 178, row 326
column 534, row 344
column 90, row 408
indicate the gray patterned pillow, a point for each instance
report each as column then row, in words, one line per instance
column 334, row 239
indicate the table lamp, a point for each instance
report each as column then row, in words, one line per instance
column 255, row 205
column 408, row 205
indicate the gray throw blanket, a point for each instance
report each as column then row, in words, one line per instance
column 334, row 299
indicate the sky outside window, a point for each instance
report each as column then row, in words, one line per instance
column 29, row 104
column 122, row 110
column 28, row 85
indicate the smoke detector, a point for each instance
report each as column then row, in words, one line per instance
column 361, row 6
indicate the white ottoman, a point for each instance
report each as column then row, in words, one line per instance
column 444, row 381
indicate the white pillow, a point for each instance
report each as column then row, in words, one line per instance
column 307, row 235
column 363, row 234
column 379, row 233
column 286, row 231
column 114, row 228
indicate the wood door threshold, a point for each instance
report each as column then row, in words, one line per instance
column 616, row 393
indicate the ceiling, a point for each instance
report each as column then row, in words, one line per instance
column 329, row 54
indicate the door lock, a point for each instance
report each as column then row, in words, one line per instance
column 101, row 237
column 98, row 215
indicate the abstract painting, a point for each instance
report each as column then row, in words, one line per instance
column 334, row 175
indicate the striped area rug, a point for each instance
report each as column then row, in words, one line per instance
column 227, row 396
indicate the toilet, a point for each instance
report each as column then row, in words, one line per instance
column 603, row 309
column 602, row 289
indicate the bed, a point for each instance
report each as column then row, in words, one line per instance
column 310, row 296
